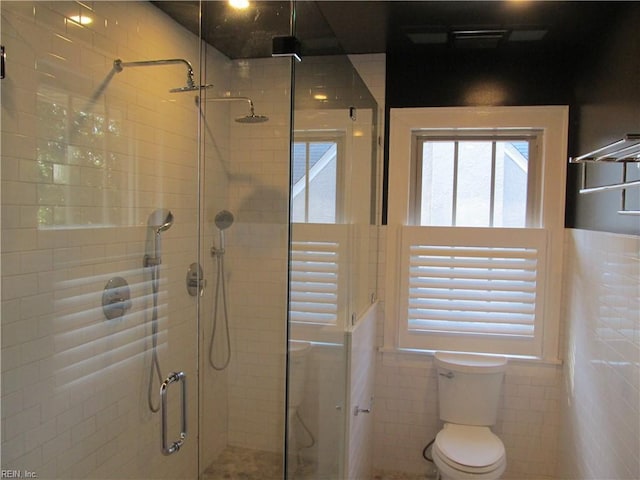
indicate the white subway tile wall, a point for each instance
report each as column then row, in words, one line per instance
column 257, row 251
column 600, row 434
column 360, row 394
column 87, row 155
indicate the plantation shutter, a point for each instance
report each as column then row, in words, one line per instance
column 316, row 274
column 479, row 287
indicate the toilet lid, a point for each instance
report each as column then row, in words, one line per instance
column 471, row 446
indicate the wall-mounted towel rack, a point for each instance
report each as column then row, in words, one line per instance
column 627, row 149
column 624, row 151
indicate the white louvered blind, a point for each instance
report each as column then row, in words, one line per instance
column 315, row 277
column 473, row 286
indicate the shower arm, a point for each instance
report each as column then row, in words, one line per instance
column 233, row 99
column 119, row 65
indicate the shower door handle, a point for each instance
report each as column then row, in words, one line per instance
column 173, row 378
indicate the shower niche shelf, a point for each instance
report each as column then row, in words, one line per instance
column 625, row 151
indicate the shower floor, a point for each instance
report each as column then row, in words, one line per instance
column 236, row 463
column 245, row 464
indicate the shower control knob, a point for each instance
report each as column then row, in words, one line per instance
column 116, row 298
column 195, row 280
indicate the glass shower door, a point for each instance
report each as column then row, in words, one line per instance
column 333, row 247
column 100, row 173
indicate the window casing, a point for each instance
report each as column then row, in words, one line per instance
column 448, row 255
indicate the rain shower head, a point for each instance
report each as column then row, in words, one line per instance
column 224, row 219
column 190, row 88
column 252, row 118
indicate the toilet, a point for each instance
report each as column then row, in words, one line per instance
column 298, row 354
column 469, row 388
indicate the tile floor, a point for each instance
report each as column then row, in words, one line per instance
column 236, row 463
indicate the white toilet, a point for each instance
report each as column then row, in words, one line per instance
column 298, row 353
column 469, row 393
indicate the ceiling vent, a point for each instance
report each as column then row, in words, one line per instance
column 478, row 38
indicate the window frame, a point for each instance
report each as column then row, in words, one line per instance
column 552, row 121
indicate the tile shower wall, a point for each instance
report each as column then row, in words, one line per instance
column 600, row 434
column 87, row 154
column 257, row 249
column 406, row 412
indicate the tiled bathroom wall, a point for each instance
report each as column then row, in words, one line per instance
column 88, row 153
column 600, row 429
column 257, row 249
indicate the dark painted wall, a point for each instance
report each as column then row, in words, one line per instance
column 607, row 106
column 598, row 78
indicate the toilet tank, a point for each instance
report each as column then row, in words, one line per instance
column 469, row 387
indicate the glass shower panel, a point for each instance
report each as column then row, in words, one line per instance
column 333, row 244
column 245, row 191
column 99, row 225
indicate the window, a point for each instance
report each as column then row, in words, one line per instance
column 317, row 257
column 315, row 178
column 477, row 239
column 473, row 180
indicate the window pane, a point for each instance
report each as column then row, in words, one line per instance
column 473, row 199
column 322, row 194
column 512, row 164
column 299, row 171
column 314, row 182
column 436, row 202
column 322, row 182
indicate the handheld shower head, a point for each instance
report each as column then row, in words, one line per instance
column 224, row 219
column 160, row 221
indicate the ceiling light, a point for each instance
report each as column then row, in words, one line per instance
column 239, row 4
column 320, row 96
column 81, row 19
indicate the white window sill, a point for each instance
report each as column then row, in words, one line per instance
column 407, row 357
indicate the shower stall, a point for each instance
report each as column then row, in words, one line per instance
column 164, row 175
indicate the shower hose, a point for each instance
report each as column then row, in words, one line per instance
column 155, row 362
column 220, row 288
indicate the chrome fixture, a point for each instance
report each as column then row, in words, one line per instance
column 251, row 118
column 195, row 280
column 173, row 378
column 159, row 221
column 116, row 298
column 625, row 151
column 191, row 86
column 223, row 220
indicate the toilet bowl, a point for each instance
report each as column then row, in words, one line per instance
column 465, row 452
column 469, row 392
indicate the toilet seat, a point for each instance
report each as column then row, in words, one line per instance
column 474, row 450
